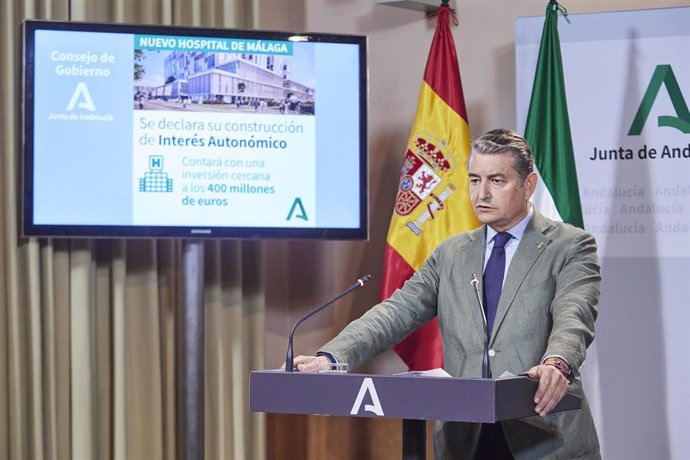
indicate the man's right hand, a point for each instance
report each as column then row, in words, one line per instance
column 308, row 363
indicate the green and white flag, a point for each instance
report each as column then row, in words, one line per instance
column 548, row 130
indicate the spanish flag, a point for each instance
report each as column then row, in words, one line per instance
column 432, row 203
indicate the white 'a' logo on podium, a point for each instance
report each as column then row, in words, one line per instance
column 375, row 407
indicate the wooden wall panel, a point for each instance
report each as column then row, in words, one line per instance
column 308, row 437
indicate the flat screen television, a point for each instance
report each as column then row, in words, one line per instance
column 151, row 131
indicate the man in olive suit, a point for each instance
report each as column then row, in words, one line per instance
column 540, row 282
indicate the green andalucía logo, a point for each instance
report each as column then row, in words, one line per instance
column 663, row 75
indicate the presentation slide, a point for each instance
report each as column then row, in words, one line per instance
column 173, row 130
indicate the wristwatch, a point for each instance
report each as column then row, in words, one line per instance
column 559, row 364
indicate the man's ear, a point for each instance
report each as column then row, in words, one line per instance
column 530, row 184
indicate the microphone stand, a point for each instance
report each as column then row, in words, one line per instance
column 289, row 358
column 486, row 371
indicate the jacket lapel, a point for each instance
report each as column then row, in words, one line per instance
column 533, row 242
column 472, row 264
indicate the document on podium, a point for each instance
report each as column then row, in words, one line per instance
column 438, row 372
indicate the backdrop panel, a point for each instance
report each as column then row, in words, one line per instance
column 627, row 78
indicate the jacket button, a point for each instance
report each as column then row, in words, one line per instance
column 492, row 353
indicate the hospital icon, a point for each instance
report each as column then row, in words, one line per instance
column 155, row 179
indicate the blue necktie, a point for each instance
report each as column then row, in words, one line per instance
column 493, row 277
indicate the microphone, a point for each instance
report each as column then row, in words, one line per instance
column 289, row 358
column 475, row 283
column 486, row 371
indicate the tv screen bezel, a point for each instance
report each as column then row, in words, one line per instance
column 31, row 229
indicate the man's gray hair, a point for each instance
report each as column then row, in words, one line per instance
column 503, row 141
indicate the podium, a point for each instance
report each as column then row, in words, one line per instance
column 409, row 397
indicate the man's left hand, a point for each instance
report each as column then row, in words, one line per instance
column 552, row 387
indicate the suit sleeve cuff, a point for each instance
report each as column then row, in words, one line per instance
column 330, row 357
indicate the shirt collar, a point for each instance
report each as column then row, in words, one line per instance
column 516, row 231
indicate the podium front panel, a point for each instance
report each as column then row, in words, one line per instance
column 360, row 395
column 396, row 396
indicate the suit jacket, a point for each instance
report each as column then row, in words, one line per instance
column 547, row 307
